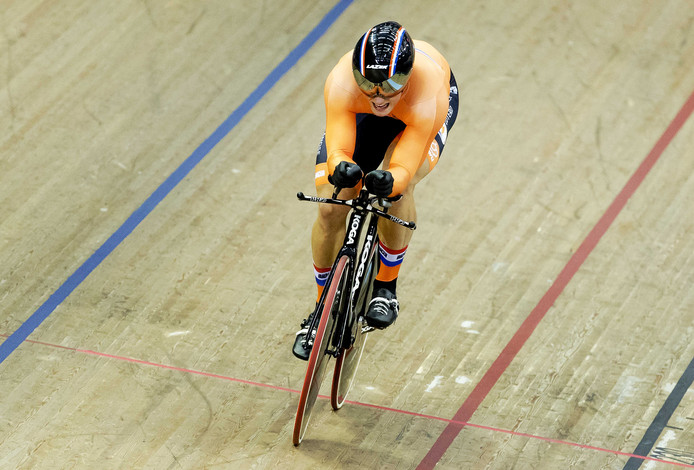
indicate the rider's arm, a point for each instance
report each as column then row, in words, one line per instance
column 424, row 110
column 340, row 122
column 340, row 135
column 408, row 155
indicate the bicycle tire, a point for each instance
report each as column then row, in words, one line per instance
column 318, row 358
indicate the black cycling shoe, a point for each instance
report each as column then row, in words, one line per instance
column 383, row 309
column 302, row 348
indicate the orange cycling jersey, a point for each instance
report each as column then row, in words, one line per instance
column 422, row 108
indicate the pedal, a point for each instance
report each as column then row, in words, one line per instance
column 365, row 328
column 310, row 338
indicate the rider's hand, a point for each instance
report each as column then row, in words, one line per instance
column 380, row 183
column 346, row 175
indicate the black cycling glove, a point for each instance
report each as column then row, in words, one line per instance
column 346, row 175
column 380, row 183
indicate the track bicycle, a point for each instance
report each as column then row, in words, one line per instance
column 337, row 327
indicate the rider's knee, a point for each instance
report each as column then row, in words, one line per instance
column 409, row 190
column 408, row 193
column 332, row 217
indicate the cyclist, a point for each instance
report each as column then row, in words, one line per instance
column 391, row 100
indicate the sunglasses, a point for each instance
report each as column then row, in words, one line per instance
column 388, row 88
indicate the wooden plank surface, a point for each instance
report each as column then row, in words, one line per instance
column 175, row 351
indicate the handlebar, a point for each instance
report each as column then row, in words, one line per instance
column 362, row 202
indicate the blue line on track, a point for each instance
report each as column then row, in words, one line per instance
column 661, row 419
column 72, row 282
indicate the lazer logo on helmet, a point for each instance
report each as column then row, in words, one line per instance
column 353, row 229
column 377, row 67
column 362, row 263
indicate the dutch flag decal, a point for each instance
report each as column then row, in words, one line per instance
column 396, row 51
column 362, row 67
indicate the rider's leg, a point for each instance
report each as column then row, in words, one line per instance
column 328, row 232
column 326, row 239
column 395, row 237
column 393, row 242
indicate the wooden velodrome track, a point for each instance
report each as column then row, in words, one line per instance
column 155, row 264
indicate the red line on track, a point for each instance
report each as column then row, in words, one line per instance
column 356, row 403
column 162, row 366
column 492, row 375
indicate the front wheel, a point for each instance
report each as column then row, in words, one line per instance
column 348, row 361
column 318, row 360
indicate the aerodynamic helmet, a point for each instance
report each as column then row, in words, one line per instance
column 383, row 58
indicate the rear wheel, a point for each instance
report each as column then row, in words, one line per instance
column 318, row 360
column 346, row 368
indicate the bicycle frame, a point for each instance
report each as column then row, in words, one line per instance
column 363, row 213
column 358, row 276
